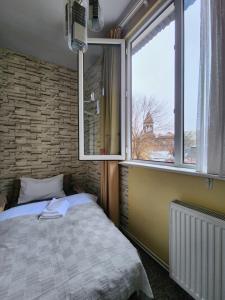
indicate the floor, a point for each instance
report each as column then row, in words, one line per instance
column 162, row 286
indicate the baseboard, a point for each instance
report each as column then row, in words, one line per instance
column 146, row 249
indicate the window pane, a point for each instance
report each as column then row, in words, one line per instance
column 153, row 67
column 102, row 99
column 191, row 76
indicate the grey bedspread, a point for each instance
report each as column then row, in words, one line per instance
column 80, row 256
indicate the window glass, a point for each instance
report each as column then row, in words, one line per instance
column 153, row 72
column 191, row 76
column 102, row 99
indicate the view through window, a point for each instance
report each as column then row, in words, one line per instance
column 153, row 72
column 153, row 88
column 191, row 77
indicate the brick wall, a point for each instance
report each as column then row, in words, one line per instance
column 124, row 196
column 38, row 120
column 39, row 125
column 94, row 175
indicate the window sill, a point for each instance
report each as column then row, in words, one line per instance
column 171, row 169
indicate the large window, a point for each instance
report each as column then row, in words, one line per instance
column 164, row 62
column 153, row 101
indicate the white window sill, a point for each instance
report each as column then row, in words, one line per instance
column 166, row 168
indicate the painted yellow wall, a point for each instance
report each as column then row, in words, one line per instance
column 150, row 193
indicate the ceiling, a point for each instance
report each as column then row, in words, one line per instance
column 36, row 27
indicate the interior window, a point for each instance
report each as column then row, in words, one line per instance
column 191, row 76
column 153, row 72
column 102, row 100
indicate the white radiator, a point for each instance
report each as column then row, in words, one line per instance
column 197, row 251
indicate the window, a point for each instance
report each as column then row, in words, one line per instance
column 153, row 76
column 164, row 79
column 191, row 77
column 101, row 100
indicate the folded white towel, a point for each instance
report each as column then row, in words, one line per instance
column 56, row 208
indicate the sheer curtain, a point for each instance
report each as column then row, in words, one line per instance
column 204, row 86
column 109, row 189
column 110, row 104
column 216, row 119
column 211, row 106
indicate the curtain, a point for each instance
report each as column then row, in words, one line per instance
column 110, row 104
column 216, row 122
column 211, row 106
column 109, row 193
column 204, row 87
column 110, row 127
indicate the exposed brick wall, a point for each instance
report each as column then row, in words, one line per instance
column 39, row 125
column 124, row 196
column 94, row 187
column 38, row 120
column 94, row 176
column 93, row 83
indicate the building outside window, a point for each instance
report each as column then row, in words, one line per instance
column 156, row 110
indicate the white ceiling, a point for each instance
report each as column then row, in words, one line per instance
column 36, row 27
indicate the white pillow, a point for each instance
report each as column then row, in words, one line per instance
column 40, row 189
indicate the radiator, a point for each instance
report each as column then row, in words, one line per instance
column 197, row 251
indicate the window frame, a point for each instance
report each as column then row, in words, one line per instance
column 93, row 157
column 179, row 87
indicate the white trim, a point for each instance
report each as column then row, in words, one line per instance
column 81, row 104
column 82, row 155
column 129, row 102
column 123, row 99
column 133, row 10
column 100, row 157
column 170, row 169
column 130, row 41
column 103, row 41
column 178, row 88
column 146, row 249
column 179, row 83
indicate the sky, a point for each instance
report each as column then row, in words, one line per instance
column 153, row 68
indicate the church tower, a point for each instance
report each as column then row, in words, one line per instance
column 148, row 125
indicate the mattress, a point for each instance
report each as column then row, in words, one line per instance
column 79, row 256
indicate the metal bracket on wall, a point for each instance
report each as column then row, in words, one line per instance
column 209, row 182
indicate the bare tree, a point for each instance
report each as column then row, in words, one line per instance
column 141, row 108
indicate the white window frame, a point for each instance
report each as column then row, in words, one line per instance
column 82, row 155
column 179, row 89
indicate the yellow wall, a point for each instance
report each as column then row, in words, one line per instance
column 150, row 193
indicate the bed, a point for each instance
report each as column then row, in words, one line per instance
column 80, row 256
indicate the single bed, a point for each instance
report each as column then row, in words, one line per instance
column 80, row 256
